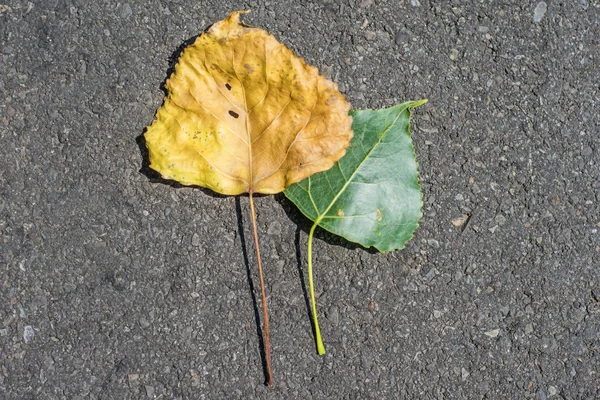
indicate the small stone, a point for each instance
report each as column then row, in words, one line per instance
column 540, row 395
column 493, row 333
column 431, row 274
column 383, row 36
column 144, row 322
column 548, row 344
column 464, row 374
column 586, row 151
column 483, row 29
column 433, row 243
column 334, row 48
column 28, row 333
column 539, row 11
column 453, row 54
column 460, row 221
column 3, row 332
column 500, row 219
column 415, row 3
column 149, row 391
column 126, row 11
column 195, row 240
column 483, row 386
column 437, row 313
column 370, row 35
column 274, row 228
column 401, row 38
column 195, row 378
column 279, row 267
column 365, row 3
column 578, row 315
column 551, row 390
column 459, row 197
column 133, row 378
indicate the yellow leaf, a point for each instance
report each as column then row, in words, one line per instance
column 243, row 114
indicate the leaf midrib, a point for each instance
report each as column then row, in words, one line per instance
column 247, row 122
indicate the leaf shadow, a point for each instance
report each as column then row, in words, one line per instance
column 305, row 224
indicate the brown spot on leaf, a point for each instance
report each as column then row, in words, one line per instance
column 340, row 212
column 234, row 114
column 228, row 86
column 379, row 215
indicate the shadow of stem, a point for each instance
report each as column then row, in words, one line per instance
column 259, row 333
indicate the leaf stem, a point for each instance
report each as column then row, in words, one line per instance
column 263, row 297
column 313, row 302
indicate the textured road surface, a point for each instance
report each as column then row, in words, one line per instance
column 117, row 286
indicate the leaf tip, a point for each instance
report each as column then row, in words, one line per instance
column 234, row 16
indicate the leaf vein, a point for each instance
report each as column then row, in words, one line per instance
column 358, row 167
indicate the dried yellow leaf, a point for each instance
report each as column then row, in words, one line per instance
column 244, row 114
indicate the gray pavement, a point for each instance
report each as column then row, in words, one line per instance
column 115, row 285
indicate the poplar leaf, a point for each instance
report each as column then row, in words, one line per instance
column 371, row 196
column 243, row 114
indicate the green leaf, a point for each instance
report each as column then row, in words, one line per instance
column 372, row 195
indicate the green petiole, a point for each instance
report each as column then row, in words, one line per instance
column 311, row 288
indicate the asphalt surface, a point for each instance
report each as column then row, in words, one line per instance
column 115, row 285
